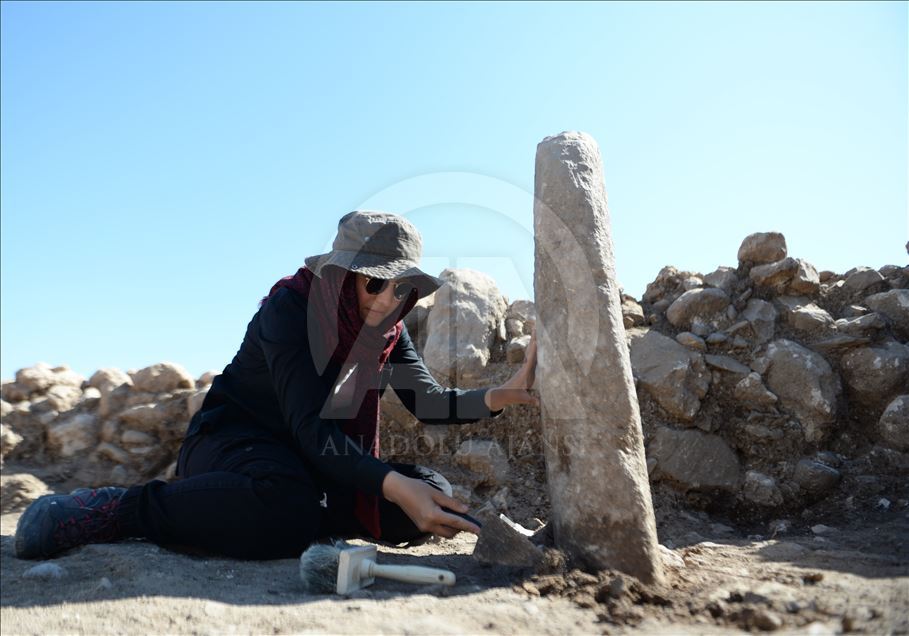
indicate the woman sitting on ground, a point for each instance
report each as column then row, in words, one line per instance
column 285, row 448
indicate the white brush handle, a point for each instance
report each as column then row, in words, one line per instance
column 408, row 573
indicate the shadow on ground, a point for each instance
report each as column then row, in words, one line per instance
column 130, row 569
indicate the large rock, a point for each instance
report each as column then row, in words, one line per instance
column 632, row 313
column 501, row 542
column 806, row 316
column 65, row 376
column 41, row 377
column 814, row 477
column 12, row 391
column 874, row 374
column 688, row 339
column 73, row 436
column 514, row 350
column 694, row 460
column 727, row 364
column 893, row 427
column 837, row 344
column 602, row 514
column 166, row 418
column 462, row 326
column 675, row 376
column 722, row 278
column 893, row 305
column 62, row 398
column 108, row 379
column 513, row 328
column 790, row 275
column 762, row 316
column 775, row 275
column 112, row 453
column 9, row 440
column 669, row 284
column 91, row 397
column 751, row 391
column 707, row 304
column 30, row 428
column 805, row 280
column 762, row 247
column 761, row 489
column 863, row 326
column 208, row 377
column 525, row 312
column 484, row 457
column 114, row 400
column 862, row 278
column 18, row 490
column 163, row 377
column 805, row 384
column 36, row 379
column 131, row 439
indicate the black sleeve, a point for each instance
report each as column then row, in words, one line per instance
column 301, row 394
column 430, row 402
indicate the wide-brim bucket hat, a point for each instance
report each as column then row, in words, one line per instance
column 380, row 245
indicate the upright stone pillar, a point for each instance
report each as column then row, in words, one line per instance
column 602, row 512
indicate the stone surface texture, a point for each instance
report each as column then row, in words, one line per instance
column 762, row 247
column 874, row 374
column 694, row 460
column 893, row 305
column 893, row 426
column 707, row 303
column 602, row 511
column 462, row 326
column 674, row 375
column 805, row 384
column 164, row 376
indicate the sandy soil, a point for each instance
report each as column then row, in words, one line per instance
column 854, row 578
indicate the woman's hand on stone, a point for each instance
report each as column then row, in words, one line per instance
column 423, row 504
column 517, row 389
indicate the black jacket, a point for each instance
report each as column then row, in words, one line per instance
column 272, row 383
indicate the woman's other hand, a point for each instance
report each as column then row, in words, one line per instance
column 516, row 390
column 423, row 504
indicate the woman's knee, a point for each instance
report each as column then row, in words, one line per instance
column 289, row 508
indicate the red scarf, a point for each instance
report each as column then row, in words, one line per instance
column 338, row 334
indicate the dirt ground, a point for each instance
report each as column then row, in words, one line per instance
column 851, row 577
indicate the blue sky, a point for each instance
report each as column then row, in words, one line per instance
column 162, row 164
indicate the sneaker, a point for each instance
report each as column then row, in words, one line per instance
column 54, row 523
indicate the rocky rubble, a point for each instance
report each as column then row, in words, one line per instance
column 113, row 428
column 806, row 378
column 764, row 388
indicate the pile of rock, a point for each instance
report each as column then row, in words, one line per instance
column 114, row 428
column 762, row 386
column 463, row 323
column 765, row 381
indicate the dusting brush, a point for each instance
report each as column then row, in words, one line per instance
column 343, row 568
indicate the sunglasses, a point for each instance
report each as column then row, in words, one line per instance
column 375, row 286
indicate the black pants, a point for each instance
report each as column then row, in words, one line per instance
column 243, row 493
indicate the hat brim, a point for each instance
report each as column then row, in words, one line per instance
column 376, row 266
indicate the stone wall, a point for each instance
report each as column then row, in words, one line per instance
column 770, row 385
column 113, row 428
column 763, row 387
